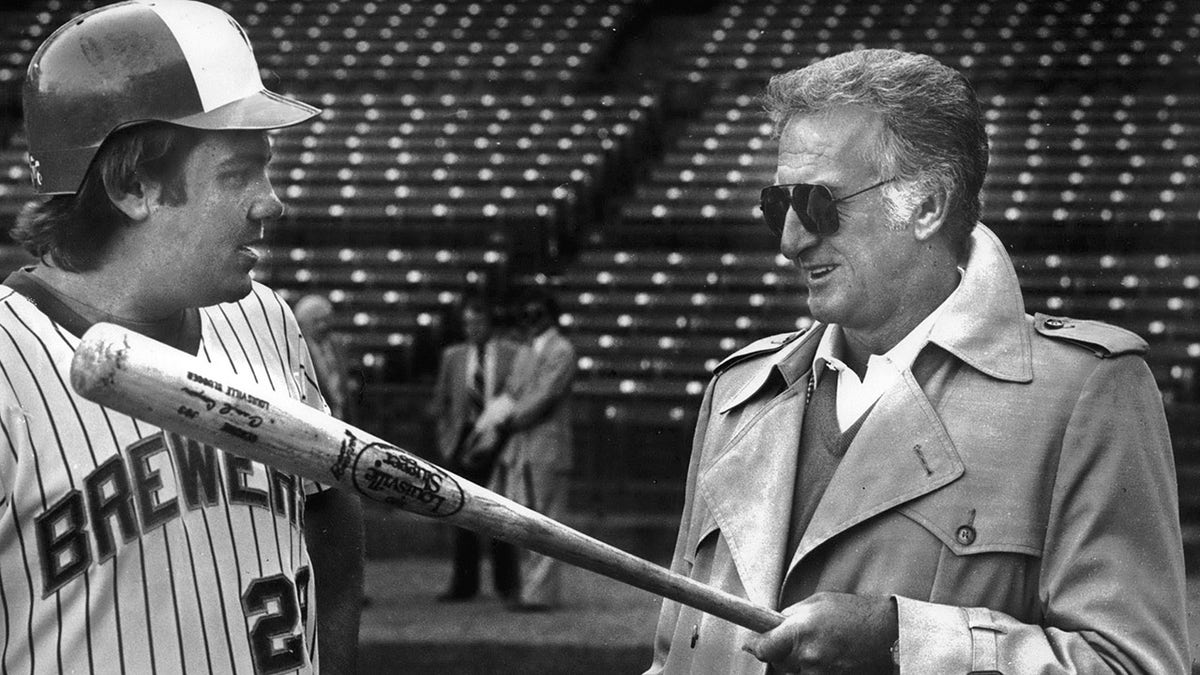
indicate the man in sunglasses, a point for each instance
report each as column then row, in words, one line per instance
column 929, row 480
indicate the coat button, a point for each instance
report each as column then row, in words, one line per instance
column 965, row 535
column 1054, row 324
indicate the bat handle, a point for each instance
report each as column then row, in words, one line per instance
column 719, row 603
column 749, row 615
column 612, row 562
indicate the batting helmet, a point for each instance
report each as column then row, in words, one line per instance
column 177, row 61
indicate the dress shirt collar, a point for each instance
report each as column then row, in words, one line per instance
column 983, row 322
column 897, row 359
column 855, row 396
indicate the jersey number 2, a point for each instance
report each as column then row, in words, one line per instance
column 277, row 632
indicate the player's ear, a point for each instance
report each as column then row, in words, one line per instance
column 133, row 195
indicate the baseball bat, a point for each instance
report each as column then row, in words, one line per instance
column 135, row 375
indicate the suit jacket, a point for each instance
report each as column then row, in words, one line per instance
column 450, row 407
column 1014, row 491
column 540, row 419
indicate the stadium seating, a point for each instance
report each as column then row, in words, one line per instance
column 466, row 146
column 478, row 46
column 519, row 172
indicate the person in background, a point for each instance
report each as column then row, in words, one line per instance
column 328, row 350
column 534, row 414
column 470, row 374
column 123, row 547
column 928, row 480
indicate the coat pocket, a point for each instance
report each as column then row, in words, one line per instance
column 704, row 530
column 967, row 529
column 989, row 557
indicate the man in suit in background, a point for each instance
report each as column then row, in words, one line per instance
column 471, row 373
column 534, row 414
column 328, row 349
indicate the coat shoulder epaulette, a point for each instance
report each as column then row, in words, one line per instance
column 1102, row 339
column 767, row 345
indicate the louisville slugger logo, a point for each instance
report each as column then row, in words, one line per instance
column 393, row 476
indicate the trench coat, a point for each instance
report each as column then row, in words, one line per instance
column 1014, row 492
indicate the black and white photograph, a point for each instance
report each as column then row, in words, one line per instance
column 600, row 337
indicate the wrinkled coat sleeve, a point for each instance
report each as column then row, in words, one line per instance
column 551, row 382
column 1112, row 584
column 669, row 616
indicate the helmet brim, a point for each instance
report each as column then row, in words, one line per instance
column 262, row 111
column 266, row 110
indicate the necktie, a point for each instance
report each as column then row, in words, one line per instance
column 476, row 393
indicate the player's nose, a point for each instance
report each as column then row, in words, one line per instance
column 266, row 206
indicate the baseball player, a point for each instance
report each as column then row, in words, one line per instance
column 124, row 548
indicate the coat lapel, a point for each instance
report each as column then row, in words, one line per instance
column 749, row 492
column 901, row 452
column 748, row 485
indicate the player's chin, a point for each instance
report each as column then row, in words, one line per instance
column 232, row 287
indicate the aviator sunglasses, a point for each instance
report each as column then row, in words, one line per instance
column 813, row 204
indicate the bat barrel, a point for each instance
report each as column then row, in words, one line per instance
column 137, row 376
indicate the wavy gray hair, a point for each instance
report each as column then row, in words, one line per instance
column 934, row 134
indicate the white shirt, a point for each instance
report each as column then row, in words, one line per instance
column 855, row 396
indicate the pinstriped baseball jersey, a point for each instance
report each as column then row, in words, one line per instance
column 127, row 549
